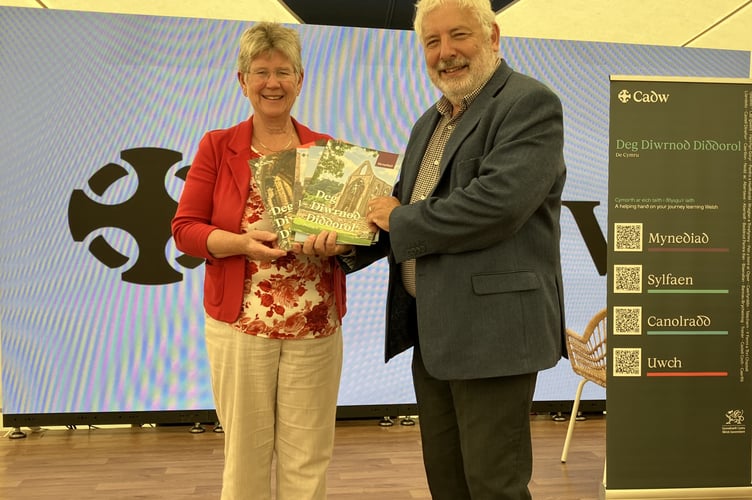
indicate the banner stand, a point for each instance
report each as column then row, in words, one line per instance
column 679, row 300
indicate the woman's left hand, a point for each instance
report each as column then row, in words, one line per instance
column 323, row 244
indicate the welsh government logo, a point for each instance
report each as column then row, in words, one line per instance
column 734, row 417
column 146, row 216
column 734, row 423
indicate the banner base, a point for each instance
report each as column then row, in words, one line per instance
column 735, row 493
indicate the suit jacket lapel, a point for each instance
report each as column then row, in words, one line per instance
column 472, row 115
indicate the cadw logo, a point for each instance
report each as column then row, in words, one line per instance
column 643, row 96
column 145, row 216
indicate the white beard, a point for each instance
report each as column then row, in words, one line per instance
column 480, row 68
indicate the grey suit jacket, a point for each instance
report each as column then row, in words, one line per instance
column 486, row 241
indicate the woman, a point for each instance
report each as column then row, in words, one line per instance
column 273, row 318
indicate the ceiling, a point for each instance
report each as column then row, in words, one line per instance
column 392, row 14
column 724, row 24
column 720, row 24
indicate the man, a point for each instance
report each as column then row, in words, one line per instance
column 472, row 235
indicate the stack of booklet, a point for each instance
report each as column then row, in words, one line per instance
column 325, row 185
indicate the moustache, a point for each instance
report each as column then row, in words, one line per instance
column 454, row 62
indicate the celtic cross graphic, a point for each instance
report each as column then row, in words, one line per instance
column 146, row 216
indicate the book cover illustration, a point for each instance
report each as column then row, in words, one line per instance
column 275, row 175
column 336, row 196
column 308, row 157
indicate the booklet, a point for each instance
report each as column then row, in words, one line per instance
column 279, row 178
column 275, row 176
column 335, row 197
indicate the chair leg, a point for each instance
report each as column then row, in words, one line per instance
column 572, row 419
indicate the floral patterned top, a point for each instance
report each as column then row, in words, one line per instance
column 291, row 298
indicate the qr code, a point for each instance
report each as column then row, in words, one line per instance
column 627, row 362
column 628, row 237
column 627, row 320
column 628, row 279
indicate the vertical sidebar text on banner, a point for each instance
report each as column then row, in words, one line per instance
column 679, row 260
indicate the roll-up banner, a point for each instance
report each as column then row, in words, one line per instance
column 680, row 223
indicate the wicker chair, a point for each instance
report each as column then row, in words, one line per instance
column 587, row 355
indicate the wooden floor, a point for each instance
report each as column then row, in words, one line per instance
column 370, row 462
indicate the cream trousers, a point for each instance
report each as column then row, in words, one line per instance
column 274, row 399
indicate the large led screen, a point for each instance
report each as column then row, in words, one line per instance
column 100, row 117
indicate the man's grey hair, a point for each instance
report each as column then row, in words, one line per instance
column 481, row 9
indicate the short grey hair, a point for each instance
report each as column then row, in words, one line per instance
column 481, row 9
column 266, row 37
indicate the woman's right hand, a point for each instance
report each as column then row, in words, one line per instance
column 262, row 246
column 255, row 244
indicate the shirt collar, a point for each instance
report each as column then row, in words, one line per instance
column 445, row 107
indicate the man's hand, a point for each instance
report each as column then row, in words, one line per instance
column 379, row 210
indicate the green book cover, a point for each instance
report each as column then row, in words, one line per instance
column 275, row 176
column 336, row 196
column 279, row 178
